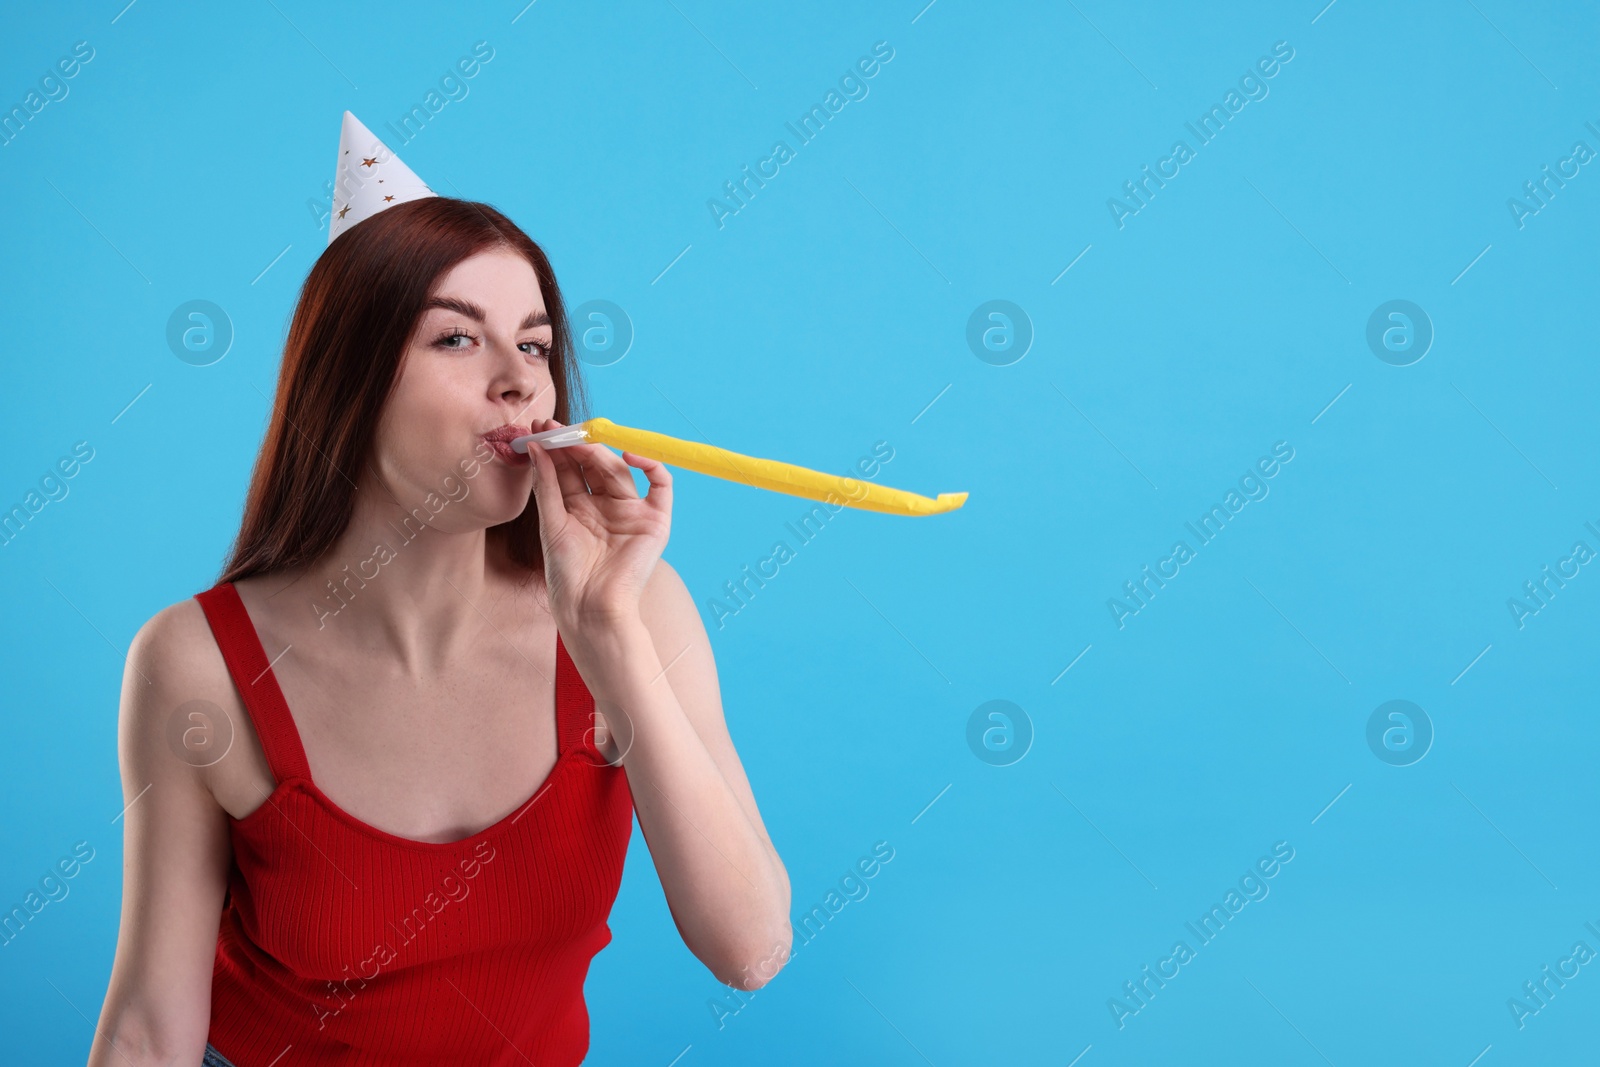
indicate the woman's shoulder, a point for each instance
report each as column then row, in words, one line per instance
column 174, row 669
column 666, row 606
column 179, row 699
column 176, row 643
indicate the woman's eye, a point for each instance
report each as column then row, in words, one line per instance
column 539, row 348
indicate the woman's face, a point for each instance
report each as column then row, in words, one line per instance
column 477, row 361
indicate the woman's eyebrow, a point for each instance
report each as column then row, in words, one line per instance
column 474, row 312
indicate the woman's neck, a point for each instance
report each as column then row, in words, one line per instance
column 411, row 593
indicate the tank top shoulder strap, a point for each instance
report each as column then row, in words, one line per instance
column 574, row 704
column 251, row 671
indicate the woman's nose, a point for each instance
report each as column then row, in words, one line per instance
column 520, row 375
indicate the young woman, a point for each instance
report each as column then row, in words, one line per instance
column 381, row 777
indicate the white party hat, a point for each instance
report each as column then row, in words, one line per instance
column 368, row 178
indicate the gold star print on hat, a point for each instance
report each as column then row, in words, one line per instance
column 368, row 178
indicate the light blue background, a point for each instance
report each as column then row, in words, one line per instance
column 829, row 314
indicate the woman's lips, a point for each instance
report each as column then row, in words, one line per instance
column 510, row 455
column 500, row 439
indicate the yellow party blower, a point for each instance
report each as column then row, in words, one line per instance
column 748, row 470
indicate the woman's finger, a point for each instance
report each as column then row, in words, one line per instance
column 547, row 490
column 607, row 473
column 602, row 470
column 565, row 467
column 659, row 476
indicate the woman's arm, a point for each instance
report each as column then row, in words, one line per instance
column 630, row 626
column 176, row 851
column 654, row 680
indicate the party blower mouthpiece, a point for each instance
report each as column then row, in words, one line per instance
column 747, row 470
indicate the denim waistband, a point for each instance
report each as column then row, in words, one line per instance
column 213, row 1058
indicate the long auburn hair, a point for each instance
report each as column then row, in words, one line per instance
column 356, row 311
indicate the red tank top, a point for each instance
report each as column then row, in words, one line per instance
column 343, row 944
